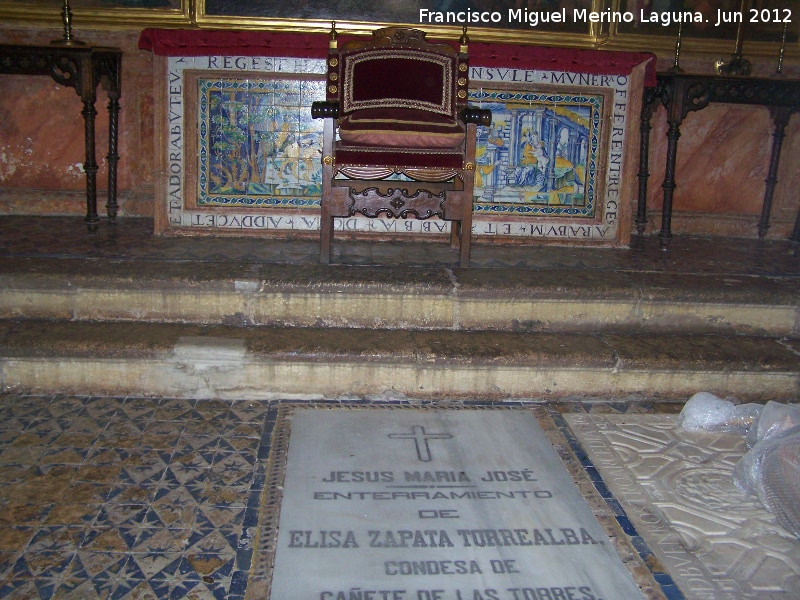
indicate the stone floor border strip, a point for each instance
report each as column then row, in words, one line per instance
column 587, row 468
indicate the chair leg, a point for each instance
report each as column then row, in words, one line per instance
column 325, row 234
column 325, row 250
column 325, row 219
column 455, row 234
column 466, row 240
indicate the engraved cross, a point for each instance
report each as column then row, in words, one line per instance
column 421, row 440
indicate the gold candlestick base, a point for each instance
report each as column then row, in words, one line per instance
column 67, row 42
column 737, row 65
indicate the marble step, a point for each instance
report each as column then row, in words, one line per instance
column 248, row 362
column 398, row 297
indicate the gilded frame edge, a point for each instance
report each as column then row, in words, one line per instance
column 93, row 18
column 664, row 47
column 573, row 40
column 595, row 38
column 478, row 34
column 192, row 14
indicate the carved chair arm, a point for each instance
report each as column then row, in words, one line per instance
column 479, row 116
column 325, row 110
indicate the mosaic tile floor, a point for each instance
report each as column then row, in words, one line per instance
column 161, row 498
column 128, row 498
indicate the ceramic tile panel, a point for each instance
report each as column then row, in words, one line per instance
column 540, row 155
column 242, row 152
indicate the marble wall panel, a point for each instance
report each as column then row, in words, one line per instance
column 42, row 133
column 41, row 147
column 723, row 157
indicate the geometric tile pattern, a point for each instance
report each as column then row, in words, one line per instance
column 677, row 489
column 129, row 498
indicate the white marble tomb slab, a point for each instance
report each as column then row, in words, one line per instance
column 677, row 489
column 436, row 505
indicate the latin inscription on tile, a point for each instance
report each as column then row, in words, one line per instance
column 435, row 505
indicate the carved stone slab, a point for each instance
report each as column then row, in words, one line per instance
column 435, row 505
column 677, row 489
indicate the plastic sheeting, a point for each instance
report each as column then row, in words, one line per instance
column 770, row 469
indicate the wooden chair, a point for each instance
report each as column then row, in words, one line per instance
column 399, row 104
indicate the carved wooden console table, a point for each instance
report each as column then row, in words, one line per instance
column 682, row 93
column 82, row 68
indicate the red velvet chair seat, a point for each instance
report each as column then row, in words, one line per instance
column 402, row 128
column 398, row 78
column 428, row 158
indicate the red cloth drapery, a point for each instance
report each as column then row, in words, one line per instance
column 207, row 42
column 574, row 60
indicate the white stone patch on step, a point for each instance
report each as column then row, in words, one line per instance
column 677, row 489
column 436, row 505
column 209, row 351
column 246, row 286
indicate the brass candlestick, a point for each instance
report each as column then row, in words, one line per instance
column 676, row 68
column 779, row 70
column 66, row 17
column 737, row 65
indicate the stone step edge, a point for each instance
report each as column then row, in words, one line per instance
column 394, row 310
column 167, row 360
column 274, row 380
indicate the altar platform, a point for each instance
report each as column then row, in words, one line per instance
column 125, row 312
